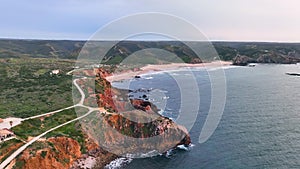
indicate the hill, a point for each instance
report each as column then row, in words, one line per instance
column 10, row 48
column 240, row 52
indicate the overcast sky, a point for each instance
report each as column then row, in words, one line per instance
column 230, row 20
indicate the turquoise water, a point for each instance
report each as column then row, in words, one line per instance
column 260, row 126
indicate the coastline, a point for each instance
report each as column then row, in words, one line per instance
column 151, row 68
column 165, row 124
column 129, row 74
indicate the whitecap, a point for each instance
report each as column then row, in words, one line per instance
column 149, row 78
column 186, row 148
column 183, row 147
column 161, row 112
column 223, row 67
column 165, row 97
column 151, row 153
column 175, row 74
column 118, row 163
column 169, row 153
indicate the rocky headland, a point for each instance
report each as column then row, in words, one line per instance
column 270, row 57
column 133, row 120
column 132, row 126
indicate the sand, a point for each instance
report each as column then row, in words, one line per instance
column 164, row 67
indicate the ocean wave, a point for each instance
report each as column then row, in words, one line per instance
column 165, row 97
column 152, row 153
column 168, row 109
column 220, row 68
column 186, row 148
column 174, row 74
column 118, row 163
column 182, row 147
column 148, row 78
column 170, row 152
column 123, row 161
column 161, row 112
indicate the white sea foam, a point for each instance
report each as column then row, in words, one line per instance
column 173, row 119
column 182, row 147
column 118, row 163
column 220, row 68
column 186, row 148
column 175, row 74
column 169, row 153
column 143, row 155
column 123, row 161
column 161, row 112
column 165, row 98
column 168, row 109
column 149, row 78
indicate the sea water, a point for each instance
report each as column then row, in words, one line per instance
column 260, row 126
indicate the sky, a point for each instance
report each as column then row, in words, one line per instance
column 226, row 20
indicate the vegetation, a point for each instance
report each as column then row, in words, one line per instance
column 34, row 127
column 40, row 49
column 8, row 147
column 72, row 130
column 19, row 164
column 228, row 50
column 117, row 54
column 28, row 88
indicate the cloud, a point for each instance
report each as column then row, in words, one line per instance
column 227, row 19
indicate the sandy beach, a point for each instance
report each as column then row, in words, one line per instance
column 164, row 67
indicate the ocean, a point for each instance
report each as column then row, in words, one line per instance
column 259, row 128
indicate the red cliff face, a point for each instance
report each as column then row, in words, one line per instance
column 168, row 133
column 130, row 118
column 61, row 153
column 104, row 91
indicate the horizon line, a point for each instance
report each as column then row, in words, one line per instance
column 152, row 40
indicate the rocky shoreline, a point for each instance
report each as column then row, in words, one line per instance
column 243, row 60
column 133, row 118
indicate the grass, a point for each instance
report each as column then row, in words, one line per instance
column 72, row 130
column 28, row 88
column 8, row 147
column 35, row 127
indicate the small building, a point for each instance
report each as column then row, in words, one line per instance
column 5, row 133
column 1, row 120
column 55, row 72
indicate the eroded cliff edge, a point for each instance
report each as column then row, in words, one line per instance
column 134, row 126
column 144, row 129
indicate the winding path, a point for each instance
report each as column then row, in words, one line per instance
column 80, row 104
column 21, row 149
column 56, row 111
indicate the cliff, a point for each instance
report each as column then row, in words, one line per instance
column 268, row 57
column 58, row 153
column 265, row 58
column 242, row 60
column 135, row 126
column 63, row 152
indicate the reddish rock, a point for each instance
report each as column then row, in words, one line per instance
column 63, row 153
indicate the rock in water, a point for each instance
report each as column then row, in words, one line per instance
column 135, row 126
